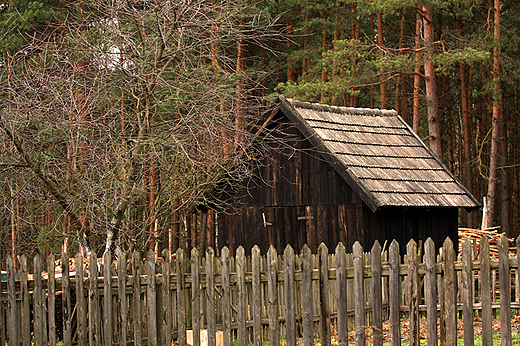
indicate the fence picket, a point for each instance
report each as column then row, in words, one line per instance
column 272, row 296
column 485, row 284
column 450, row 293
column 181, row 296
column 38, row 305
column 195, row 296
column 107, row 299
column 413, row 291
column 256, row 299
column 151, row 298
column 242, row 307
column 467, row 292
column 11, row 293
column 377, row 295
column 430, row 288
column 290, row 314
column 26, row 310
column 166, row 298
column 395, row 294
column 81, row 302
column 505, row 291
column 359, row 305
column 226, row 298
column 210, row 296
column 306, row 291
column 93, row 302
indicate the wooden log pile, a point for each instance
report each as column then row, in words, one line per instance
column 493, row 235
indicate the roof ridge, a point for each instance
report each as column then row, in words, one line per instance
column 343, row 110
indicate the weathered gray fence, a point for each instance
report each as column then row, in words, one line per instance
column 296, row 298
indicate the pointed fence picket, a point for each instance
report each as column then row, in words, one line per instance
column 298, row 298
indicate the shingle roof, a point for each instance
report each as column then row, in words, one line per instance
column 379, row 155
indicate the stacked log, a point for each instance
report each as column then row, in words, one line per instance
column 492, row 234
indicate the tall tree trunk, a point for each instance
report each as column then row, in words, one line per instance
column 434, row 121
column 505, row 192
column 324, row 74
column 292, row 75
column 400, row 79
column 417, row 76
column 489, row 213
column 381, row 44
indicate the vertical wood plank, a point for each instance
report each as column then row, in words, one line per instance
column 272, row 296
column 256, row 297
column 505, row 291
column 359, row 301
column 26, row 311
column 166, row 297
column 430, row 288
column 181, row 296
column 395, row 294
column 121, row 289
column 195, row 296
column 377, row 295
column 136, row 306
column 51, row 286
column 66, row 302
column 323, row 255
column 341, row 294
column 11, row 293
column 151, row 298
column 38, row 303
column 93, row 302
column 241, row 287
column 210, row 296
column 290, row 312
column 413, row 291
column 450, row 293
column 467, row 292
column 485, row 284
column 107, row 298
column 306, row 292
column 226, row 297
column 80, row 302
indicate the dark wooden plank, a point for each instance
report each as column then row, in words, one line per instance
column 195, row 296
column 256, row 297
column 181, row 296
column 51, row 286
column 377, row 295
column 38, row 303
column 81, row 304
column 121, row 289
column 290, row 309
column 272, row 296
column 395, row 293
column 450, row 292
column 94, row 323
column 241, row 288
column 12, row 326
column 226, row 297
column 26, row 310
column 324, row 287
column 166, row 297
column 505, row 291
column 136, row 301
column 341, row 294
column 107, row 299
column 413, row 291
column 430, row 289
column 66, row 300
column 306, row 292
column 210, row 296
column 151, row 298
column 485, row 288
column 359, row 291
column 467, row 292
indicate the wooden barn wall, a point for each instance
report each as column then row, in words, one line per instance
column 404, row 224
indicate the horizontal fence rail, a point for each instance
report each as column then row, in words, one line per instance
column 295, row 298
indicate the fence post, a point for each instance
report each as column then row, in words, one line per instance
column 242, row 307
column 467, row 291
column 121, row 286
column 395, row 294
column 38, row 304
column 80, row 302
column 485, row 284
column 26, row 311
column 257, row 317
column 359, row 301
column 324, row 295
column 341, row 294
column 210, row 295
column 290, row 315
column 181, row 296
column 430, row 287
column 107, row 298
column 136, row 282
column 11, row 293
column 93, row 302
column 413, row 291
column 226, row 297
column 272, row 296
column 308, row 332
column 505, row 291
column 377, row 295
column 450, row 289
column 195, row 296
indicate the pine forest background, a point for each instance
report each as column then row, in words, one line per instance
column 117, row 117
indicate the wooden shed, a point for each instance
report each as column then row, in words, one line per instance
column 342, row 174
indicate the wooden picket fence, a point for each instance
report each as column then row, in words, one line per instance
column 301, row 299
